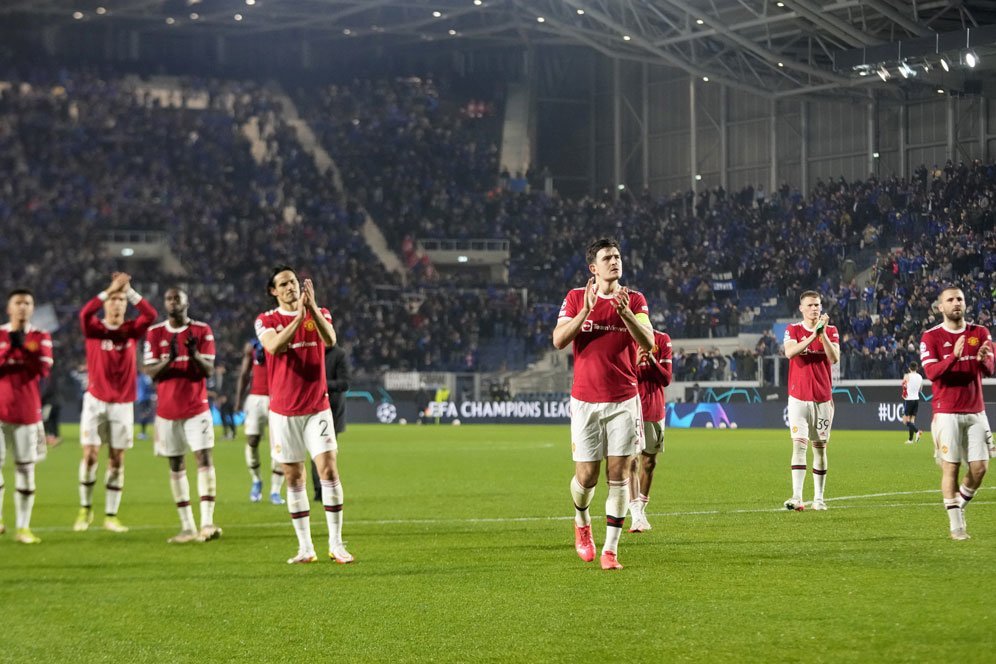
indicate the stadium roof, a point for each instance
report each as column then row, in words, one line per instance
column 781, row 47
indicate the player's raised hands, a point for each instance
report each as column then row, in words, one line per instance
column 621, row 300
column 308, row 294
column 959, row 346
column 590, row 294
column 985, row 352
column 191, row 344
column 120, row 281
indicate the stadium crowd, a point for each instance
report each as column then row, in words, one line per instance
column 86, row 149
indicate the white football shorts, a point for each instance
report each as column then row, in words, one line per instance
column 600, row 430
column 810, row 420
column 177, row 437
column 257, row 409
column 653, row 437
column 103, row 423
column 961, row 437
column 296, row 438
column 26, row 439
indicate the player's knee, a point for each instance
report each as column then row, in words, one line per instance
column 252, row 441
column 176, row 464
column 203, row 458
column 649, row 462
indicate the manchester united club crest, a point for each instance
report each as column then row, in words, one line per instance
column 973, row 341
column 31, row 346
column 309, row 325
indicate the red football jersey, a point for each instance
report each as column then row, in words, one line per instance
column 956, row 382
column 297, row 375
column 653, row 376
column 604, row 351
column 182, row 386
column 809, row 371
column 260, row 384
column 110, row 351
column 20, row 370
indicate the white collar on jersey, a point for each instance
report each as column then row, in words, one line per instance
column 28, row 327
column 286, row 313
column 964, row 326
column 176, row 330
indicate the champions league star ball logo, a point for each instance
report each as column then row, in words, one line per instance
column 386, row 413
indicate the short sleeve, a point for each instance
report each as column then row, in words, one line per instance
column 262, row 326
column 150, row 357
column 205, row 343
column 833, row 335
column 569, row 308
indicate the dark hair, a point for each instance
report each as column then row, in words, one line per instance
column 20, row 291
column 914, row 365
column 273, row 275
column 810, row 293
column 598, row 245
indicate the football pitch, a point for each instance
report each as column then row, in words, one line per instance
column 463, row 541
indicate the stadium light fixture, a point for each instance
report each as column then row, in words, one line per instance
column 437, row 14
column 698, row 177
column 971, row 59
column 347, row 32
column 452, row 32
column 127, row 251
column 194, row 16
column 883, row 73
column 540, row 19
column 462, row 259
column 78, row 15
column 580, row 12
column 940, row 91
column 875, row 155
column 781, row 64
column 101, row 11
column 699, row 21
column 626, row 37
column 238, row 17
column 705, row 79
column 906, row 70
column 170, row 20
column 622, row 187
column 250, row 3
column 478, row 3
column 780, row 4
column 863, row 72
column 945, row 65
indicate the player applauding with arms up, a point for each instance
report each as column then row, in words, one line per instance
column 108, row 416
column 607, row 324
column 295, row 336
column 179, row 356
column 811, row 347
column 25, row 358
column 955, row 355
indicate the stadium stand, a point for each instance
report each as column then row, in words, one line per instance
column 82, row 154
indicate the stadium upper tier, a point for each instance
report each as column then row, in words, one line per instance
column 82, row 154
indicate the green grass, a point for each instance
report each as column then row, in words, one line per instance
column 464, row 549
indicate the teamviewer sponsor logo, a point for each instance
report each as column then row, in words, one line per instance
column 586, row 326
